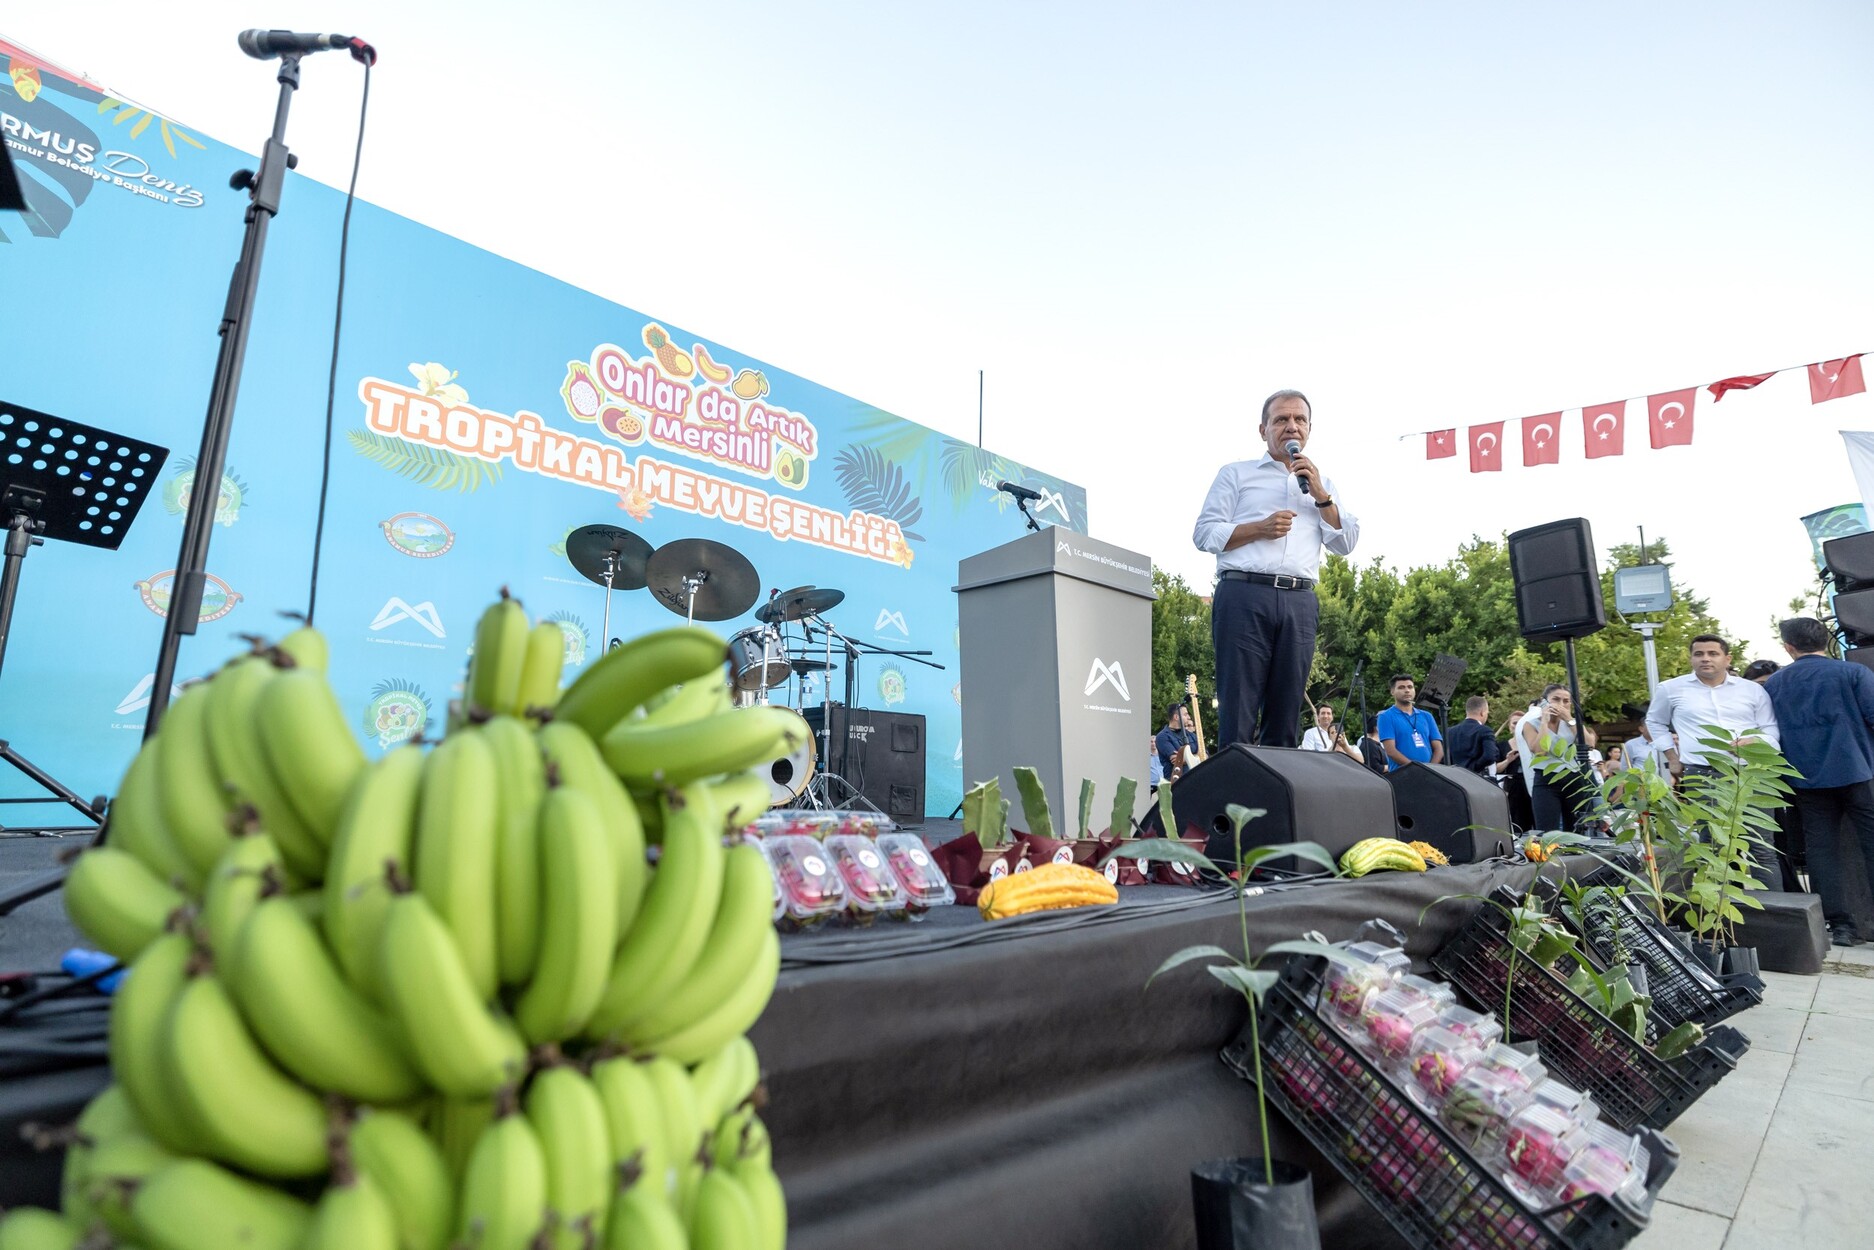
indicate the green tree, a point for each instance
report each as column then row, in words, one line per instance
column 1181, row 645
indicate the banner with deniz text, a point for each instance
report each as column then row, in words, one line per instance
column 483, row 412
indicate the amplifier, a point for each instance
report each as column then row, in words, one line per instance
column 880, row 753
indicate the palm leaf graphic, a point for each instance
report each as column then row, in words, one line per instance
column 426, row 466
column 877, row 485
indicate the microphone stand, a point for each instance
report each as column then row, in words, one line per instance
column 186, row 585
column 1032, row 523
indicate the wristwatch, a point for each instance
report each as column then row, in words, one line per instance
column 1324, row 503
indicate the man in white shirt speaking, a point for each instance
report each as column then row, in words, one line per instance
column 1267, row 521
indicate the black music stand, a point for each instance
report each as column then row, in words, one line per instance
column 78, row 484
column 1440, row 684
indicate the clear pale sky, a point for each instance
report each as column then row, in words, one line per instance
column 1139, row 219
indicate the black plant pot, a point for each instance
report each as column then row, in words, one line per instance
column 1741, row 960
column 1238, row 1210
column 1709, row 954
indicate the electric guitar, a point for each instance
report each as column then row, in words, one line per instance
column 1192, row 758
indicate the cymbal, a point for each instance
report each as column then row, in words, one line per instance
column 801, row 601
column 803, row 667
column 588, row 548
column 729, row 582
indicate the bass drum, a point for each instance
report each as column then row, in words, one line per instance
column 788, row 776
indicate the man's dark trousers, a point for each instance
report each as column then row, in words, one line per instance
column 1264, row 638
column 1829, row 814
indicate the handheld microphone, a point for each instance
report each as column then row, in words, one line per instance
column 1019, row 492
column 264, row 45
column 1293, row 448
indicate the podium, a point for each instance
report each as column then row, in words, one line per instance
column 1056, row 647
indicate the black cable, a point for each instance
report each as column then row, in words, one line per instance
column 331, row 377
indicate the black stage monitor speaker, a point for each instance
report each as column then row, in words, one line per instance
column 1854, row 612
column 880, row 753
column 1851, row 560
column 1558, row 590
column 1310, row 796
column 1863, row 656
column 1452, row 808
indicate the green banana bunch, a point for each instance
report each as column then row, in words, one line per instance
column 538, row 689
column 742, row 797
column 192, row 1203
column 136, row 823
column 678, row 913
column 504, row 1188
column 409, row 1169
column 634, row 1122
column 615, row 684
column 117, row 902
column 234, row 889
column 457, row 1124
column 582, row 768
column 195, row 803
column 566, row 1112
column 723, row 1218
column 459, row 1045
column 742, row 1135
column 139, row 1015
column 30, row 1228
column 241, row 761
column 310, row 746
column 251, row 1114
column 692, row 701
column 456, row 825
column 116, row 1166
column 737, row 1013
column 376, row 830
column 309, row 1017
column 579, row 903
column 308, row 648
column 105, row 1116
column 642, row 1219
column 353, row 1214
column 744, row 913
column 676, row 755
column 494, row 675
column 520, row 780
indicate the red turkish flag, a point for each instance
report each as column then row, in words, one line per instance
column 1604, row 426
column 1669, row 417
column 1486, row 447
column 1834, row 378
column 1540, row 446
column 1440, row 444
column 1742, row 382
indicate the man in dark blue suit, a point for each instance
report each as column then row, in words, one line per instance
column 1825, row 709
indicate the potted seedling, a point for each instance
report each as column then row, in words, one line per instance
column 986, row 816
column 1270, row 1199
column 1735, row 806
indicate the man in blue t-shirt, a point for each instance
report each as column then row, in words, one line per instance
column 1406, row 734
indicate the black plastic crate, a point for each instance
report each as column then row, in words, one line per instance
column 1421, row 1178
column 1579, row 1044
column 1681, row 988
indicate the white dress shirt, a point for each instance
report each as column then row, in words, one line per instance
column 1684, row 705
column 1315, row 740
column 1250, row 490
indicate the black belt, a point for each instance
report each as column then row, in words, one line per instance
column 1281, row 581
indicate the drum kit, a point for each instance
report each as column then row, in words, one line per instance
column 702, row 580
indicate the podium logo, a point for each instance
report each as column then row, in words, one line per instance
column 139, row 697
column 893, row 619
column 1061, row 544
column 395, row 611
column 1104, row 674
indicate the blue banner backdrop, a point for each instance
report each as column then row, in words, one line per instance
column 484, row 411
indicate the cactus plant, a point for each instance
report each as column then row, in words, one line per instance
column 1034, row 802
column 1086, row 808
column 1124, row 795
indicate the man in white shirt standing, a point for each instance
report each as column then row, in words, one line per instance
column 1267, row 530
column 1711, row 696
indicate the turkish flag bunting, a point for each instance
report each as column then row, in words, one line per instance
column 1486, row 447
column 1604, row 426
column 1834, row 378
column 1540, row 446
column 1440, row 444
column 1669, row 417
column 1742, row 382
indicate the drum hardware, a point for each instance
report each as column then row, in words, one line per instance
column 829, row 789
column 614, row 558
column 702, row 580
